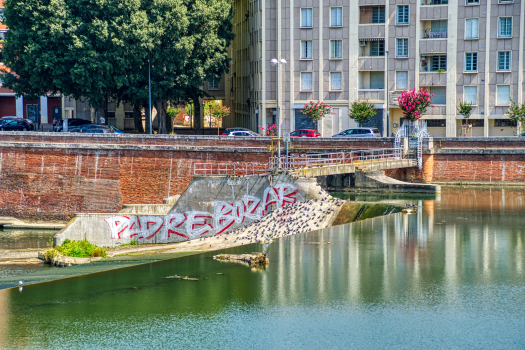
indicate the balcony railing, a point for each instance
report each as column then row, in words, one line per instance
column 435, row 35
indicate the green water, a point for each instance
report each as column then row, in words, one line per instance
column 451, row 276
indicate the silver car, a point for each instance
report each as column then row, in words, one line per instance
column 359, row 132
column 243, row 133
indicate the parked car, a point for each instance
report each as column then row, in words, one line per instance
column 71, row 122
column 359, row 132
column 305, row 133
column 13, row 117
column 96, row 129
column 243, row 133
column 15, row 124
column 117, row 131
column 229, row 130
column 522, row 134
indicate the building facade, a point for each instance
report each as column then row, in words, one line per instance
column 341, row 51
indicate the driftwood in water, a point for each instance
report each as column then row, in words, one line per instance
column 252, row 259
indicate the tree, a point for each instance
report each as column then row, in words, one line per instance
column 82, row 49
column 316, row 110
column 219, row 111
column 100, row 49
column 465, row 109
column 516, row 113
column 361, row 111
column 172, row 113
column 414, row 103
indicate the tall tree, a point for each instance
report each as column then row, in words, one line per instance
column 93, row 49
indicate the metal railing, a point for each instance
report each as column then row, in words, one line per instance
column 359, row 157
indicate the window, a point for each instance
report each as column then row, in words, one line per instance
column 471, row 62
column 377, row 80
column 336, row 17
column 402, row 80
column 438, row 27
column 505, row 27
column 402, row 14
column 306, row 18
column 336, row 81
column 470, row 94
column 306, row 50
column 438, row 62
column 503, row 95
column 438, row 2
column 436, row 123
column 128, row 115
column 402, row 47
column 377, row 48
column 477, row 123
column 440, row 95
column 306, row 81
column 378, row 14
column 504, row 60
column 213, row 84
column 506, row 1
column 472, row 2
column 505, row 122
column 336, row 49
column 471, row 28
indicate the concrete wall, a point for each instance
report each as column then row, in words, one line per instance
column 208, row 207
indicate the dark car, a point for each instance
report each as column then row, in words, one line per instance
column 15, row 124
column 8, row 118
column 96, row 129
column 305, row 133
column 71, row 122
column 230, row 130
column 359, row 132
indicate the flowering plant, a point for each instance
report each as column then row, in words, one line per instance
column 414, row 103
column 270, row 130
column 316, row 110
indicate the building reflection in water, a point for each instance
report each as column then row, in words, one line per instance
column 462, row 237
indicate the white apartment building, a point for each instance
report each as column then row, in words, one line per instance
column 340, row 51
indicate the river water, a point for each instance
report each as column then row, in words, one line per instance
column 451, row 276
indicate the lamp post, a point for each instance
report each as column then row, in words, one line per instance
column 276, row 62
column 149, row 83
column 387, row 109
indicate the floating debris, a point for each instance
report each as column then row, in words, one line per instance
column 186, row 278
column 252, row 259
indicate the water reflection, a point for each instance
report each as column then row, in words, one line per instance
column 452, row 270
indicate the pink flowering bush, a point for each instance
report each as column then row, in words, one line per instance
column 414, row 103
column 316, row 110
column 269, row 131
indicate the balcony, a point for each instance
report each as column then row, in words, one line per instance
column 433, row 29
column 371, row 95
column 372, row 31
column 433, row 46
column 371, row 63
column 433, row 2
column 429, row 13
column 372, row 15
column 372, row 2
column 432, row 79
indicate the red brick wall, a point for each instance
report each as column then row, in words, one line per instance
column 42, row 178
column 53, row 184
column 7, row 106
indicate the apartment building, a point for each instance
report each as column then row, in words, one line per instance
column 340, row 51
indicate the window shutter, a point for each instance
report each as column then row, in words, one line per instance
column 475, row 28
column 440, row 95
column 377, row 80
column 336, row 81
column 402, row 80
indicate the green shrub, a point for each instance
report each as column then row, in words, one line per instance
column 80, row 249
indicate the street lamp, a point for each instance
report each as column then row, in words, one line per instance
column 276, row 62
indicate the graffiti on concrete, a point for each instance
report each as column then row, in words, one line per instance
column 195, row 224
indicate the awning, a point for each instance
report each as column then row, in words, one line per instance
column 433, row 54
column 371, row 39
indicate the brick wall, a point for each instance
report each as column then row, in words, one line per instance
column 50, row 176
